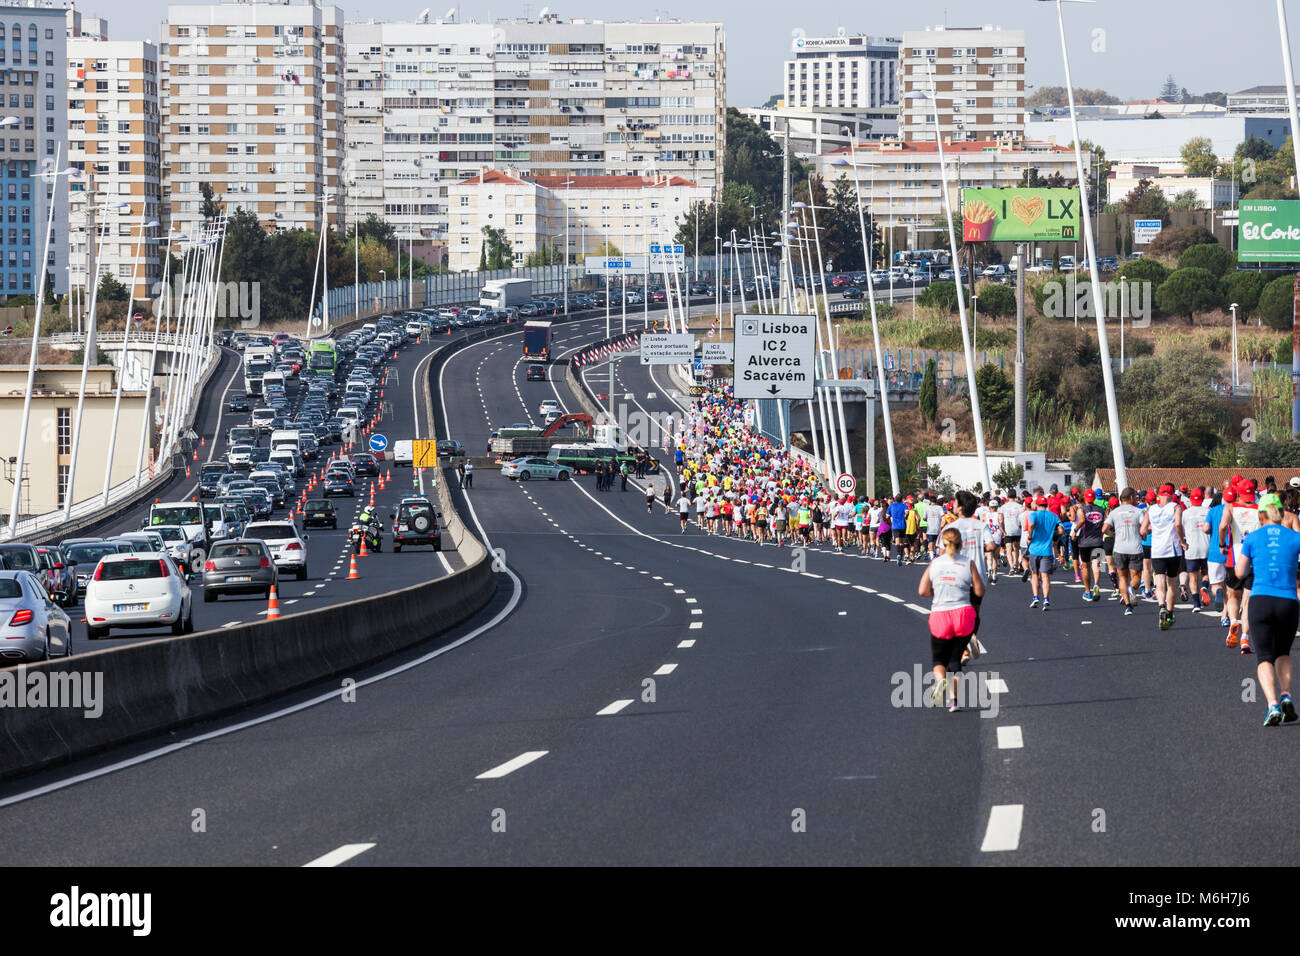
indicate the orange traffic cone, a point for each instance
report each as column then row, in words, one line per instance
column 364, row 552
column 352, row 570
column 203, row 441
column 187, row 469
column 273, row 605
column 196, row 454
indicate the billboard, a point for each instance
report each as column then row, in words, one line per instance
column 1268, row 230
column 1020, row 215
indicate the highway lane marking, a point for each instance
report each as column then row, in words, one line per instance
column 686, row 643
column 757, row 565
column 613, row 708
column 890, row 597
column 696, row 610
column 863, row 588
column 1003, row 833
column 697, row 625
column 1010, row 738
column 809, row 574
column 692, row 601
column 679, row 591
column 232, row 623
column 835, row 581
column 665, row 670
column 917, row 608
column 510, row 766
column 344, row 853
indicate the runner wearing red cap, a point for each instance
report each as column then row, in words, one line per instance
column 1240, row 518
column 1164, row 522
column 1087, row 521
column 1126, row 523
column 1198, row 547
column 1044, row 528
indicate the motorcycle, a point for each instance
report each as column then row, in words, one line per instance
column 373, row 534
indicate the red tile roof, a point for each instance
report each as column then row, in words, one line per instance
column 1144, row 478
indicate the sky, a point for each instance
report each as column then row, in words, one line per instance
column 1205, row 45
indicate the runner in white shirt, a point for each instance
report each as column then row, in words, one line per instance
column 933, row 525
column 1198, row 544
column 1164, row 521
column 992, row 518
column 1010, row 512
column 842, row 518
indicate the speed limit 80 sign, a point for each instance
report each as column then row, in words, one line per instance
column 845, row 484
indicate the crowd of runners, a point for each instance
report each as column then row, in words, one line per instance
column 1233, row 551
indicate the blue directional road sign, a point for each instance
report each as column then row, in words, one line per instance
column 378, row 442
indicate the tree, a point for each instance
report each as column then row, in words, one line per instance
column 377, row 228
column 1097, row 173
column 1170, row 92
column 210, row 208
column 1055, row 96
column 110, row 290
column 1187, row 199
column 941, row 294
column 1198, row 157
column 482, row 256
column 1092, row 453
column 1148, row 201
column 1270, row 191
column 996, row 394
column 1032, row 179
column 1143, row 270
column 1009, row 476
column 497, row 248
column 1271, row 453
column 1277, row 303
column 1188, row 291
column 997, row 301
column 1256, row 148
column 928, row 399
column 1171, row 243
column 1204, row 255
column 753, row 158
column 1244, row 287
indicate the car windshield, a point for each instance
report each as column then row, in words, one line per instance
column 319, row 506
column 236, row 551
column 178, row 514
column 171, row 533
column 90, row 553
column 130, row 570
column 272, row 532
column 18, row 559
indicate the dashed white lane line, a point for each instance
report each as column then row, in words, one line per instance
column 686, row 643
column 692, row 601
column 890, row 597
column 665, row 670
column 678, row 591
column 835, row 581
column 613, row 708
column 510, row 766
column 809, row 574
column 864, row 589
column 1010, row 738
column 996, row 685
column 344, row 853
column 1003, row 833
column 232, row 623
column 917, row 608
column 696, row 610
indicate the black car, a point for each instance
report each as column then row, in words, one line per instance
column 338, row 484
column 320, row 513
column 852, row 292
column 225, row 336
column 366, row 464
column 536, row 372
column 238, row 402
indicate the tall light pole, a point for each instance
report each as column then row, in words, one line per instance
column 977, row 422
column 1107, row 375
column 1233, row 307
column 566, row 186
column 164, row 300
column 1295, row 140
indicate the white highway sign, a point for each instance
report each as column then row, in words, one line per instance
column 774, row 356
column 717, row 353
column 674, row 348
column 669, row 257
column 616, row 265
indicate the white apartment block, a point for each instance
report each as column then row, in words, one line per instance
column 842, row 73
column 251, row 96
column 901, row 182
column 34, row 113
column 979, row 79
column 114, row 138
column 580, row 213
column 427, row 104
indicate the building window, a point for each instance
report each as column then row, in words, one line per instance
column 63, row 480
column 63, row 430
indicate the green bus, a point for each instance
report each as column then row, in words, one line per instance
column 584, row 456
column 323, row 358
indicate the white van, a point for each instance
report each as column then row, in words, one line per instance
column 272, row 378
column 262, row 418
column 349, row 415
column 403, row 457
column 289, row 457
column 285, row 438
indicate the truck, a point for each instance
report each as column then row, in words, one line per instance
column 537, row 339
column 253, row 373
column 500, row 293
column 512, row 443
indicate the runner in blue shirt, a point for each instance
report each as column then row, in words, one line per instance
column 1271, row 552
column 1044, row 526
column 1217, row 568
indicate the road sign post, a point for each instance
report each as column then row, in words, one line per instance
column 774, row 356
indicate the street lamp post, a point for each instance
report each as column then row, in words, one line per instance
column 1123, row 308
column 1233, row 307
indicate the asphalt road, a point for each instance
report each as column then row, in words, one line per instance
column 635, row 695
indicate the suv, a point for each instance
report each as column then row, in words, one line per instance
column 416, row 522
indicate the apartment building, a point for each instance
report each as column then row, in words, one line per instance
column 901, row 182
column 427, row 104
column 114, row 138
column 251, row 99
column 580, row 213
column 844, row 73
column 979, row 79
column 33, row 137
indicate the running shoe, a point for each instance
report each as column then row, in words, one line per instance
column 1114, row 595
column 1245, row 646
column 1024, row 578
column 1087, row 596
column 953, row 708
column 1275, row 716
column 1163, row 620
column 1172, row 617
column 1046, row 604
column 1289, row 714
column 1224, row 622
column 1234, row 634
column 937, row 692
column 994, row 578
column 1205, row 596
column 1183, row 595
column 1128, row 611
column 1033, row 604
column 1218, row 601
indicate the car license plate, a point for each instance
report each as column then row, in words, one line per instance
column 239, row 579
column 130, row 607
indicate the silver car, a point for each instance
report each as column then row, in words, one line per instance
column 32, row 626
column 242, row 566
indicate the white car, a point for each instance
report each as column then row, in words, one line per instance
column 239, row 455
column 550, row 405
column 135, row 591
column 179, row 546
column 287, row 544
